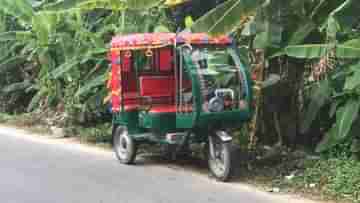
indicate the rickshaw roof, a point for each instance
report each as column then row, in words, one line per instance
column 157, row 40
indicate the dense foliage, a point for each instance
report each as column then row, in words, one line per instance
column 54, row 53
column 324, row 34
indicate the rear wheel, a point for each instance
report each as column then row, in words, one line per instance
column 220, row 160
column 124, row 146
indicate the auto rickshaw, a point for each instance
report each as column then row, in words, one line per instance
column 176, row 90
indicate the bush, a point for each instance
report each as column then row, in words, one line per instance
column 98, row 134
column 4, row 118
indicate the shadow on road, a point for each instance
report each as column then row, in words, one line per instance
column 197, row 165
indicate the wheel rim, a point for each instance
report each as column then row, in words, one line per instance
column 217, row 163
column 122, row 146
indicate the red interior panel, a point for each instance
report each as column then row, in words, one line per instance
column 157, row 86
column 115, row 82
column 129, row 82
column 166, row 58
column 125, row 63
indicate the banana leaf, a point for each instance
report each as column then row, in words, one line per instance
column 10, row 63
column 96, row 82
column 142, row 4
column 311, row 51
column 105, row 4
column 352, row 43
column 21, row 9
column 227, row 16
column 16, row 87
column 44, row 24
column 65, row 67
column 353, row 81
column 15, row 36
column 63, row 5
column 347, row 14
column 319, row 97
column 35, row 100
column 345, row 117
column 302, row 32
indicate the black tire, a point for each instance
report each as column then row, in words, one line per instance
column 220, row 166
column 124, row 146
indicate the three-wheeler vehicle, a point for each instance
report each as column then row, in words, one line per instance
column 174, row 90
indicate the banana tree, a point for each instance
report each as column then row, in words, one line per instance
column 340, row 68
column 281, row 28
column 63, row 44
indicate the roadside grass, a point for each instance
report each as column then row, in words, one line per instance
column 99, row 134
column 338, row 178
column 4, row 118
column 333, row 179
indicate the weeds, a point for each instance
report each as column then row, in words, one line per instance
column 336, row 178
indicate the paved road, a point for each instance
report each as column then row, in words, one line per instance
column 40, row 170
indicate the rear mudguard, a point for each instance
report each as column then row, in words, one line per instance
column 224, row 136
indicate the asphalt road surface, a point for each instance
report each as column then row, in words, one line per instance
column 34, row 169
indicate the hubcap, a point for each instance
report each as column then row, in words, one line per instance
column 217, row 163
column 123, row 144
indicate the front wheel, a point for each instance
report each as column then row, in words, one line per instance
column 219, row 158
column 124, row 146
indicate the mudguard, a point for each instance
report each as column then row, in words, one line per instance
column 224, row 136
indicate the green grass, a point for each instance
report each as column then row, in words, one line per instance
column 334, row 178
column 4, row 118
column 100, row 133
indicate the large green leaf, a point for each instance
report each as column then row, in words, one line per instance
column 3, row 26
column 307, row 51
column 226, row 17
column 161, row 28
column 64, row 68
column 15, row 36
column 44, row 24
column 142, row 4
column 329, row 140
column 311, row 51
column 114, row 5
column 21, row 9
column 345, row 117
column 352, row 43
column 64, row 5
column 302, row 32
column 320, row 96
column 16, row 87
column 105, row 4
column 346, row 52
column 353, row 81
column 36, row 99
column 347, row 14
column 10, row 63
column 98, row 81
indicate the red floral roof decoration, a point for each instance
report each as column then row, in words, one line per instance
column 203, row 38
column 154, row 40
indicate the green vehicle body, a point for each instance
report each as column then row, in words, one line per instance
column 139, row 123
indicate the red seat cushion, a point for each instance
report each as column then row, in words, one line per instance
column 157, row 86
